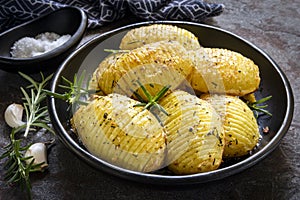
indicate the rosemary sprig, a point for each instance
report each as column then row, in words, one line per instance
column 34, row 103
column 152, row 101
column 17, row 171
column 116, row 50
column 73, row 90
column 36, row 113
column 260, row 108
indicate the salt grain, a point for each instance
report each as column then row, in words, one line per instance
column 29, row 47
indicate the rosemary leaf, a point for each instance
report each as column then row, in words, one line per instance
column 161, row 93
column 162, row 110
column 152, row 101
column 67, row 81
column 45, row 126
column 11, row 168
column 137, row 95
column 262, row 100
column 74, row 91
column 140, row 105
column 116, row 51
column 148, row 95
column 28, row 78
column 256, row 108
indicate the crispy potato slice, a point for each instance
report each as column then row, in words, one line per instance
column 158, row 32
column 155, row 65
column 223, row 71
column 195, row 140
column 239, row 122
column 111, row 128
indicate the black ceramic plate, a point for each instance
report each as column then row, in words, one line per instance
column 274, row 83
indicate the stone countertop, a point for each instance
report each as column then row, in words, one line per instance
column 272, row 25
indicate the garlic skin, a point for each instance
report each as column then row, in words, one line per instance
column 13, row 115
column 38, row 151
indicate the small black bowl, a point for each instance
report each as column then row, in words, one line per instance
column 67, row 20
column 273, row 82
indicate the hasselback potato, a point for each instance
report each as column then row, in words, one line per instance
column 195, row 138
column 153, row 33
column 106, row 63
column 239, row 123
column 111, row 128
column 223, row 71
column 155, row 65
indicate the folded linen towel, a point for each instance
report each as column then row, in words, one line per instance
column 100, row 12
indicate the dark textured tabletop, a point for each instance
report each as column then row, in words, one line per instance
column 272, row 25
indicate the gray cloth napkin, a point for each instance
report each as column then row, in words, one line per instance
column 101, row 12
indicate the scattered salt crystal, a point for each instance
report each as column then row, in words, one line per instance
column 29, row 47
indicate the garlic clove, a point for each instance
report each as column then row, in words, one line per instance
column 38, row 151
column 13, row 115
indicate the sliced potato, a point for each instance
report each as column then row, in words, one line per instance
column 223, row 71
column 240, row 125
column 111, row 128
column 158, row 32
column 109, row 61
column 195, row 140
column 155, row 65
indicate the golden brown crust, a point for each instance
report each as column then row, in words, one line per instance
column 195, row 138
column 158, row 32
column 240, row 125
column 223, row 71
column 155, row 65
column 111, row 128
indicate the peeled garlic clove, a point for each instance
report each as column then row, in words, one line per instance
column 38, row 151
column 13, row 115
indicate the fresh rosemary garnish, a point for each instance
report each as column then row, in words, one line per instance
column 260, row 108
column 152, row 101
column 73, row 90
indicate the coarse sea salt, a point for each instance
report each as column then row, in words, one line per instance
column 29, row 47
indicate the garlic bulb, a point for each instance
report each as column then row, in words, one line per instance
column 38, row 151
column 13, row 115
